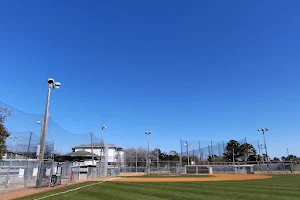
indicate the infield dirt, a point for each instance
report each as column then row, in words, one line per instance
column 216, row 177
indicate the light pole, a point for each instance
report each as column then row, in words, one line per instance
column 148, row 152
column 263, row 131
column 40, row 122
column 13, row 140
column 51, row 85
column 233, row 155
column 187, row 151
column 261, row 152
column 102, row 148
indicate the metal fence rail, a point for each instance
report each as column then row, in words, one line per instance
column 16, row 174
column 173, row 167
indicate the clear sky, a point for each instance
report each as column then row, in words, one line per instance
column 196, row 70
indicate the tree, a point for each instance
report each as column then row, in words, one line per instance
column 244, row 152
column 248, row 152
column 136, row 156
column 185, row 159
column 4, row 112
column 173, row 156
column 216, row 158
column 276, row 159
column 291, row 157
column 283, row 158
column 232, row 148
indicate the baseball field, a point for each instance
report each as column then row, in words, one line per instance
column 217, row 187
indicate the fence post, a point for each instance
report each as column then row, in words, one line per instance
column 14, row 173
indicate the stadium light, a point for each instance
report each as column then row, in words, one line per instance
column 13, row 140
column 51, row 85
column 101, row 147
column 265, row 144
column 40, row 122
column 148, row 152
column 187, row 150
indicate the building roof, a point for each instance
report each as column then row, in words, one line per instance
column 96, row 145
column 80, row 154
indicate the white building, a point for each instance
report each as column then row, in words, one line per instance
column 115, row 154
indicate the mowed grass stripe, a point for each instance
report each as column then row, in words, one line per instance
column 183, row 191
column 238, row 186
column 197, row 192
column 249, row 186
column 162, row 192
column 108, row 192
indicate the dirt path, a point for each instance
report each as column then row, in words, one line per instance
column 216, row 177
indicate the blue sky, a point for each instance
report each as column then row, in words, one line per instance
column 197, row 70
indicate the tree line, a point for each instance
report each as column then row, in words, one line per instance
column 233, row 152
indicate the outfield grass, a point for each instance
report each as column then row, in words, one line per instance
column 285, row 187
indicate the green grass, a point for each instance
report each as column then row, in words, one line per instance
column 284, row 187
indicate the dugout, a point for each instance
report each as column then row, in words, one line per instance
column 198, row 169
column 83, row 172
column 243, row 169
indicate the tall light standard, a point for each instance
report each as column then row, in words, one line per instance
column 263, row 131
column 102, row 148
column 13, row 141
column 187, row 150
column 40, row 122
column 148, row 152
column 51, row 85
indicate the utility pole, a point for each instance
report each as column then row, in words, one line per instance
column 13, row 142
column 265, row 144
column 54, row 85
column 187, row 151
column 261, row 146
column 148, row 152
column 92, row 146
column 233, row 155
column 200, row 159
column 102, row 150
column 212, row 152
column 157, row 160
column 180, row 153
column 136, row 161
column 29, row 143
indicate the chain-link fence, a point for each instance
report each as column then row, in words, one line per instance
column 174, row 167
column 203, row 150
column 173, row 163
column 16, row 174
